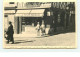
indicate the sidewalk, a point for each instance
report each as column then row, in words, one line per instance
column 28, row 36
column 67, row 39
column 25, row 35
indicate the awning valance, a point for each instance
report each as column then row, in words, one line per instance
column 38, row 11
column 9, row 11
column 23, row 11
column 30, row 13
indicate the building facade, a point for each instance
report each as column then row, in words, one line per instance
column 57, row 16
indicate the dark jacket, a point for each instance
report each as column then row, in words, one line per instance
column 10, row 30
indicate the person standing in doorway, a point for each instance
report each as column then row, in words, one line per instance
column 38, row 29
column 43, row 28
column 10, row 33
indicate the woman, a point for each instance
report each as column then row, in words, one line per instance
column 38, row 29
column 43, row 29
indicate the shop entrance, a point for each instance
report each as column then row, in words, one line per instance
column 28, row 24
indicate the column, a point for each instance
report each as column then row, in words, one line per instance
column 5, row 22
column 15, row 25
column 20, row 25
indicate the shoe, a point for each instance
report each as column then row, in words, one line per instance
column 7, row 42
column 12, row 43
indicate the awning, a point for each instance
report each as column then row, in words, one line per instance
column 38, row 11
column 9, row 11
column 23, row 11
column 30, row 13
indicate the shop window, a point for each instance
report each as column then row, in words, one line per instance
column 59, row 20
column 48, row 13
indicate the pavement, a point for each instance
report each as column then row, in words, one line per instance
column 65, row 39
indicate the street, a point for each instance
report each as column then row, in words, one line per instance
column 66, row 39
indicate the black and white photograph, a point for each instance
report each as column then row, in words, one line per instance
column 39, row 25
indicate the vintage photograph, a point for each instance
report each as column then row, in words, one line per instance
column 39, row 25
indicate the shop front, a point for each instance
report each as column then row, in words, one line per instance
column 26, row 20
column 57, row 19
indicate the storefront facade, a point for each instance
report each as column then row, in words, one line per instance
column 55, row 17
